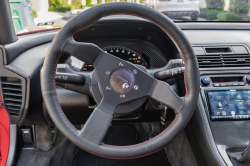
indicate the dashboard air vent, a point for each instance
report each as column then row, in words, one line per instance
column 209, row 61
column 222, row 56
column 12, row 94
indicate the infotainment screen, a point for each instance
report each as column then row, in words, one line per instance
column 229, row 104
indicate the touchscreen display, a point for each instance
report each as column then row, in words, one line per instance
column 229, row 103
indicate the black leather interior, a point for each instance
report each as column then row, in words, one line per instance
column 24, row 44
column 87, row 18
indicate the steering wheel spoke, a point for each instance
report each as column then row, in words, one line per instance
column 162, row 92
column 86, row 52
column 98, row 123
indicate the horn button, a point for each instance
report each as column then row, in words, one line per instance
column 122, row 80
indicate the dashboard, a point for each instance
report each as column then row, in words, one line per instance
column 138, row 42
column 152, row 50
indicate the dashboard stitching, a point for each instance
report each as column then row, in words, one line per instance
column 36, row 67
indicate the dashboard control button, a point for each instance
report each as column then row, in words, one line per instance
column 241, row 83
column 216, row 84
column 229, row 84
column 223, row 84
column 179, row 70
column 205, row 80
column 175, row 71
column 235, row 84
column 182, row 69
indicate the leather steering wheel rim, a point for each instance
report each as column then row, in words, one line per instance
column 89, row 140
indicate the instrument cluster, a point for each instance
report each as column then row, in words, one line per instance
column 124, row 53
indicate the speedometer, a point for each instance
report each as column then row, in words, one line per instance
column 125, row 54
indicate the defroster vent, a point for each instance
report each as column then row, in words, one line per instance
column 12, row 94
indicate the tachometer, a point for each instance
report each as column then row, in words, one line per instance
column 125, row 54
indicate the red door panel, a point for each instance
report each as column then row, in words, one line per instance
column 4, row 135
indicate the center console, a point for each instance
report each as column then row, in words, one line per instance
column 225, row 97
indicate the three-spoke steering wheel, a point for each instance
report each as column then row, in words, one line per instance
column 119, row 82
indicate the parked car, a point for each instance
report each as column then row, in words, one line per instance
column 176, row 8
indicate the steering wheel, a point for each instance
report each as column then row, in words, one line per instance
column 119, row 82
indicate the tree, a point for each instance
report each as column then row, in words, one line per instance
column 55, row 3
column 215, row 4
column 77, row 4
column 239, row 6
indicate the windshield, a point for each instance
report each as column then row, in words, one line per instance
column 37, row 15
